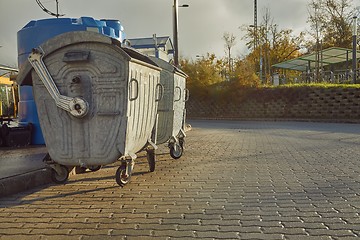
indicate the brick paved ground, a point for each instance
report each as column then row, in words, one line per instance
column 237, row 180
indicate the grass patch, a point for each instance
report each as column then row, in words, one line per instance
column 318, row 85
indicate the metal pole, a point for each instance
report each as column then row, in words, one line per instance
column 255, row 21
column 257, row 41
column 261, row 65
column 354, row 60
column 57, row 9
column 175, row 33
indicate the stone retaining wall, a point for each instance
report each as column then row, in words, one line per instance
column 281, row 103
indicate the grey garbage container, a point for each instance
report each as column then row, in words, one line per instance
column 97, row 101
column 171, row 109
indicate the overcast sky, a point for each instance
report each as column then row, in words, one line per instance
column 201, row 26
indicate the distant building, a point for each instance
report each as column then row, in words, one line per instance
column 160, row 47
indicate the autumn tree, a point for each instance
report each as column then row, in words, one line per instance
column 244, row 74
column 203, row 72
column 274, row 45
column 230, row 41
column 330, row 22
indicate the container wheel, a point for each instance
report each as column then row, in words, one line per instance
column 150, row 155
column 5, row 130
column 94, row 168
column 121, row 177
column 176, row 151
column 60, row 175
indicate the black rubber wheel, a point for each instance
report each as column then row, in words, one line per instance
column 5, row 130
column 150, row 155
column 62, row 177
column 121, row 178
column 94, row 168
column 176, row 151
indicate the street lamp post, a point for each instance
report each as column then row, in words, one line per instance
column 354, row 60
column 175, row 30
column 175, row 33
column 255, row 23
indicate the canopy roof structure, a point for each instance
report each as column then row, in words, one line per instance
column 327, row 56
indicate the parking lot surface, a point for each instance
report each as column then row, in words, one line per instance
column 236, row 180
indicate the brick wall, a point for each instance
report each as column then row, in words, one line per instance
column 332, row 104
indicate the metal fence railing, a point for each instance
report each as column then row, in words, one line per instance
column 338, row 77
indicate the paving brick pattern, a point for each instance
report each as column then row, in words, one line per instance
column 237, row 180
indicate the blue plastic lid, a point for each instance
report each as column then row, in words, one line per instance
column 39, row 31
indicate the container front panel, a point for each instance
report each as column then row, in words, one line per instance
column 167, row 81
column 99, row 137
column 166, row 108
column 165, row 126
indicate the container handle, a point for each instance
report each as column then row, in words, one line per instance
column 76, row 56
column 187, row 94
column 159, row 92
column 178, row 89
column 134, row 89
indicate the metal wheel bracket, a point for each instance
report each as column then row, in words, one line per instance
column 182, row 133
column 152, row 144
column 47, row 160
column 129, row 163
column 172, row 141
column 129, row 167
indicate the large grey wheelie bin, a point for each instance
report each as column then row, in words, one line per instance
column 96, row 99
column 171, row 109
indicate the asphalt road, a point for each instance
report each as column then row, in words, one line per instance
column 236, row 180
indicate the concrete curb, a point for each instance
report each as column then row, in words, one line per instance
column 23, row 182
